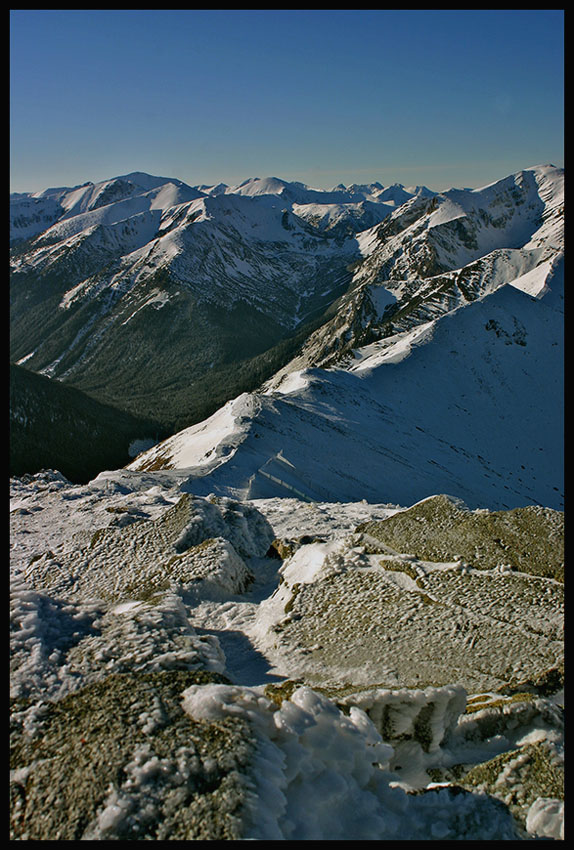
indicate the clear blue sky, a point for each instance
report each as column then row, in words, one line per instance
column 436, row 97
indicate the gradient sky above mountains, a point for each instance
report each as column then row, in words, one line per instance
column 436, row 97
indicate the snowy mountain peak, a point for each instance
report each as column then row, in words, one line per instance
column 147, row 181
column 354, row 274
column 291, row 631
column 260, row 186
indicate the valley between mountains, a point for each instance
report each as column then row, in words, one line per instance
column 287, row 511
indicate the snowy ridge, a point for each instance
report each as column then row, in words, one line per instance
column 496, row 367
column 332, row 609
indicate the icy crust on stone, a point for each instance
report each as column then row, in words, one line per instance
column 320, row 772
column 132, row 639
column 118, row 599
column 427, row 716
column 355, row 610
column 190, row 755
column 58, row 646
column 512, row 749
column 546, row 818
column 194, row 541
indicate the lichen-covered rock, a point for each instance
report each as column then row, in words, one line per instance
column 238, row 522
column 522, row 776
column 408, row 668
column 121, row 760
column 529, row 539
column 342, row 615
column 281, row 549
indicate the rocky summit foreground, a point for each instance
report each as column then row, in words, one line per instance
column 200, row 668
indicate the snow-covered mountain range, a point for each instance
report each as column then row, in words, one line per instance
column 153, row 295
column 329, row 605
column 143, row 287
column 446, row 358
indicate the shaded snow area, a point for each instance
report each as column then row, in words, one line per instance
column 467, row 403
column 191, row 667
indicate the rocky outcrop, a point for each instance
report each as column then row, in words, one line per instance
column 121, row 760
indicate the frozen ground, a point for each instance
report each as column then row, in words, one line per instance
column 273, row 669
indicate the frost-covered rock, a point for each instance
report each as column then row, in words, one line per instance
column 120, row 760
column 319, row 772
column 147, row 558
column 371, row 615
column 426, row 716
column 529, row 779
column 239, row 522
column 440, row 528
column 147, row 624
column 58, row 647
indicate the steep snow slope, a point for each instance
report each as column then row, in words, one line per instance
column 346, row 218
column 34, row 213
column 222, row 248
column 426, row 237
column 468, row 404
column 30, row 216
column 90, row 196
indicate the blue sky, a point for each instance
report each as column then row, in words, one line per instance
column 436, row 97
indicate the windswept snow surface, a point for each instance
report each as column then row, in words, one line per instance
column 468, row 404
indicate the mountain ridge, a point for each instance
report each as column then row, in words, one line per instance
column 330, row 605
column 247, row 285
